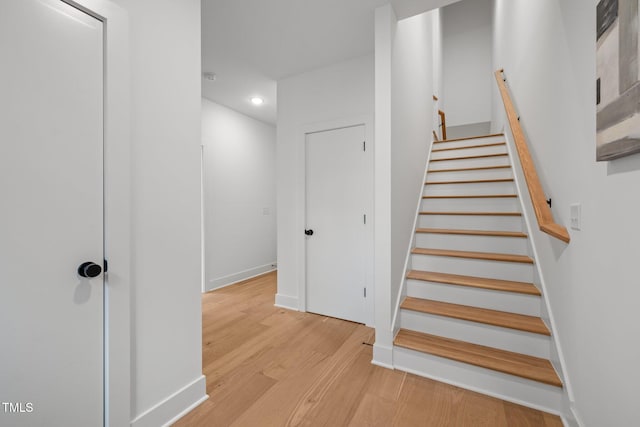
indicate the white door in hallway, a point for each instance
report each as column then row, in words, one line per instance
column 336, row 203
column 51, row 215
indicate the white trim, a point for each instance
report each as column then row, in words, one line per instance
column 569, row 418
column 505, row 397
column 117, row 208
column 545, row 295
column 385, row 27
column 287, row 301
column 403, row 284
column 576, row 417
column 240, row 276
column 383, row 356
column 180, row 402
column 203, row 272
column 368, row 123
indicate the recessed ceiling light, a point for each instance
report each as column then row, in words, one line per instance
column 256, row 100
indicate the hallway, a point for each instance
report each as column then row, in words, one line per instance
column 267, row 366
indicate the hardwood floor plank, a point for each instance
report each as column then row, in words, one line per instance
column 267, row 366
column 373, row 411
column 386, row 383
column 478, row 410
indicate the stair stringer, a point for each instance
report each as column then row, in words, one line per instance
column 407, row 261
column 507, row 387
column 556, row 354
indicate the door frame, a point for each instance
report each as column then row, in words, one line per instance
column 368, row 123
column 117, row 208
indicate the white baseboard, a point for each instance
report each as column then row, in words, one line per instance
column 286, row 301
column 383, row 356
column 175, row 406
column 575, row 420
column 502, row 386
column 230, row 279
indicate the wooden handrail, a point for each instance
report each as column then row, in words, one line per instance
column 443, row 124
column 543, row 213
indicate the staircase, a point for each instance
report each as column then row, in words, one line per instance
column 470, row 314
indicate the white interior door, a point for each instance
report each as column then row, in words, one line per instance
column 335, row 212
column 51, row 215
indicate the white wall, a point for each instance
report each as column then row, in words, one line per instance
column 547, row 48
column 412, row 90
column 332, row 94
column 165, row 156
column 239, row 195
column 407, row 75
column 467, row 45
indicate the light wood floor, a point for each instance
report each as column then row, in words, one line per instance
column 267, row 366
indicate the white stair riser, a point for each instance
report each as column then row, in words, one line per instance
column 519, row 272
column 475, row 222
column 476, row 151
column 507, row 245
column 469, row 163
column 470, row 175
column 512, row 302
column 503, row 386
column 477, row 333
column 466, row 142
column 469, row 189
column 492, row 204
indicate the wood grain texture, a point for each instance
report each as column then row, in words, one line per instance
column 470, row 157
column 475, row 282
column 471, row 232
column 544, row 216
column 466, row 147
column 473, row 137
column 521, row 365
column 490, row 256
column 301, row 369
column 474, row 181
column 503, row 319
column 471, row 213
column 474, row 196
column 481, row 168
column 443, row 123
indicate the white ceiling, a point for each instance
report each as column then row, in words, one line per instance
column 251, row 44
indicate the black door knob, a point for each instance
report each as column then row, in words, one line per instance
column 308, row 232
column 89, row 269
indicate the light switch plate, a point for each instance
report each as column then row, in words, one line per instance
column 576, row 216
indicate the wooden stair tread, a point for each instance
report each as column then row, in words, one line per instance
column 475, row 282
column 521, row 365
column 473, row 255
column 471, row 232
column 466, row 147
column 473, row 196
column 470, row 181
column 470, row 169
column 502, row 319
column 479, row 156
column 471, row 137
column 472, row 213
